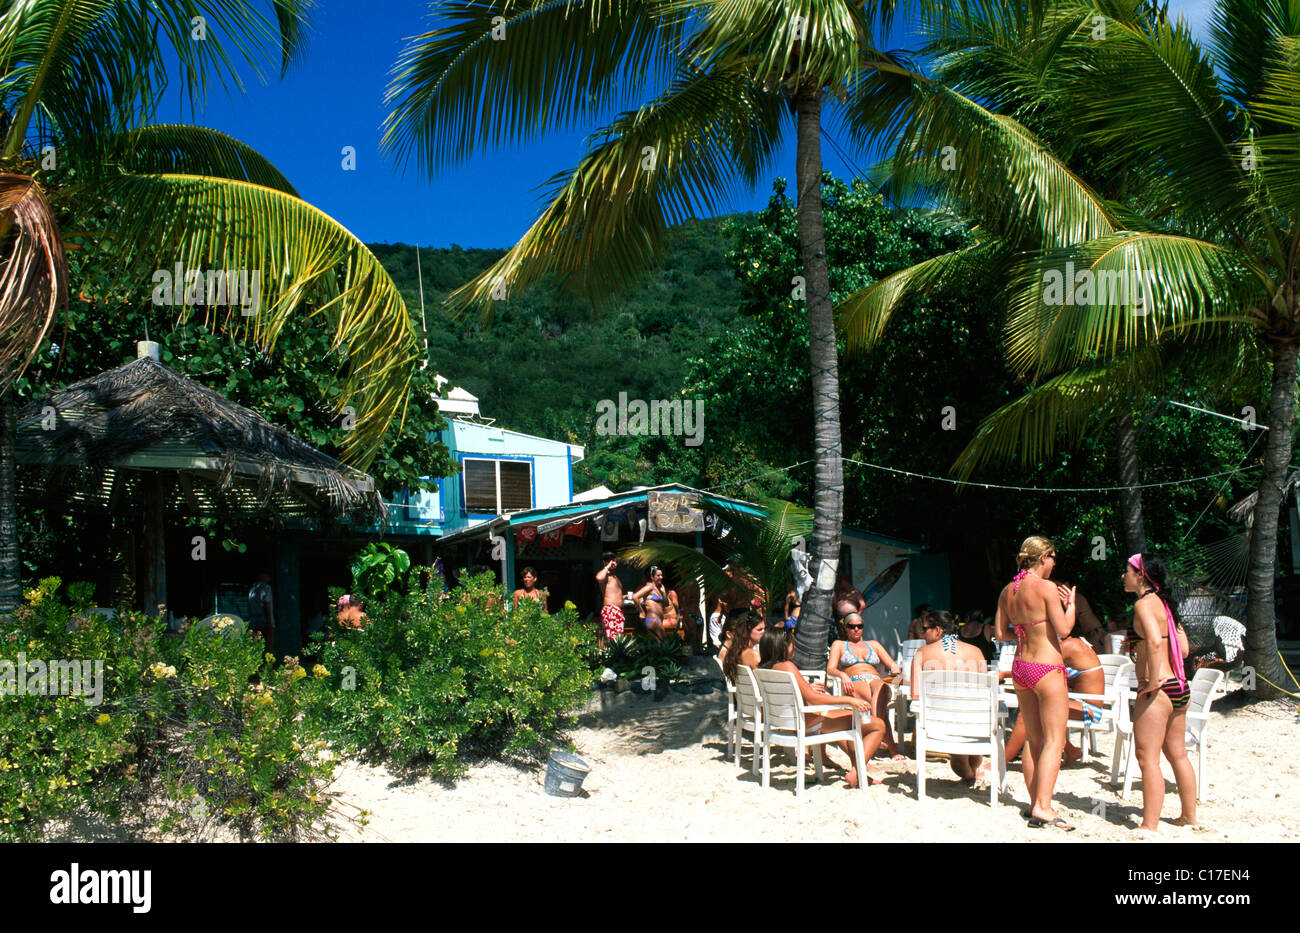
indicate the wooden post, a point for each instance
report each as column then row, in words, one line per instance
column 155, row 544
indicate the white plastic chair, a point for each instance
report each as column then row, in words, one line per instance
column 749, row 714
column 784, row 726
column 958, row 713
column 1203, row 685
column 1111, row 664
column 1207, row 687
column 731, row 707
column 906, row 651
column 1006, row 655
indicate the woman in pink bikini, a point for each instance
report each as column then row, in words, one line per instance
column 1031, row 607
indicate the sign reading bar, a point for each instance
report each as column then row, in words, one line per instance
column 674, row 512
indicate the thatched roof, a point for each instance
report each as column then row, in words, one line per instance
column 108, row 431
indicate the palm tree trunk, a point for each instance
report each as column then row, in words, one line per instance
column 11, row 589
column 1261, row 633
column 828, row 489
column 1130, row 474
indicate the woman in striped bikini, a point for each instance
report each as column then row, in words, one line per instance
column 1031, row 607
column 1160, row 711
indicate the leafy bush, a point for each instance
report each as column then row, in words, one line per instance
column 435, row 674
column 187, row 732
column 376, row 566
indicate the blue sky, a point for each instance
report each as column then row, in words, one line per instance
column 335, row 99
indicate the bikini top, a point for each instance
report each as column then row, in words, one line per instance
column 848, row 658
column 1175, row 652
column 1071, row 673
column 656, row 597
column 949, row 643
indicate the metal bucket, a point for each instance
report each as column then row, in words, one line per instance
column 565, row 774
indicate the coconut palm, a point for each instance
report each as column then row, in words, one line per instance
column 760, row 544
column 1210, row 216
column 79, row 83
column 724, row 79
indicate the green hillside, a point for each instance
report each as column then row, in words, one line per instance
column 545, row 360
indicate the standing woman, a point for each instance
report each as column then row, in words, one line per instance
column 1031, row 607
column 1160, row 712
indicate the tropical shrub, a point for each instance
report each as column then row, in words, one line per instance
column 173, row 735
column 377, row 566
column 434, row 675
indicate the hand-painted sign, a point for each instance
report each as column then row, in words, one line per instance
column 674, row 512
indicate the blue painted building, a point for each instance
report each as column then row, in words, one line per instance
column 499, row 472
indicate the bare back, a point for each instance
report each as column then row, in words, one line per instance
column 934, row 657
column 1036, row 608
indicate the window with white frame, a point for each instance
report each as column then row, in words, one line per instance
column 497, row 486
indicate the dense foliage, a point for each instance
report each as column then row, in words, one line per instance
column 545, row 359
column 188, row 733
column 434, row 675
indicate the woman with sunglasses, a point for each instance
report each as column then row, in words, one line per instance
column 854, row 661
column 1160, row 711
column 1031, row 607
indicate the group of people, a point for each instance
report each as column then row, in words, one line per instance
column 658, row 608
column 1042, row 616
column 1056, row 635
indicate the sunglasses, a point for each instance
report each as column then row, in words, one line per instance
column 853, row 626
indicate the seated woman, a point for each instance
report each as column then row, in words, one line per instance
column 746, row 632
column 854, row 661
column 775, row 651
column 1083, row 674
column 943, row 651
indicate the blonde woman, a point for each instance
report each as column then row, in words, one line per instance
column 1031, row 607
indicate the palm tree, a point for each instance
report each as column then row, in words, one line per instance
column 1205, row 142
column 724, row 80
column 79, row 82
column 760, row 544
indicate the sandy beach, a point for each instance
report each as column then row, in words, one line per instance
column 659, row 774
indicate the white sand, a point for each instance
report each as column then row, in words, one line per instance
column 659, row 774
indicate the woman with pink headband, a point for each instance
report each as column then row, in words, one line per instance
column 1027, row 603
column 1160, row 712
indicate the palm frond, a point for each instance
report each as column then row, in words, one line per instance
column 305, row 262
column 778, row 43
column 33, row 276
column 864, row 315
column 607, row 221
column 178, row 149
column 493, row 75
column 1059, row 412
column 997, row 172
column 1128, row 290
column 95, row 67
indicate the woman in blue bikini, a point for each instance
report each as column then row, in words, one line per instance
column 651, row 598
column 854, row 661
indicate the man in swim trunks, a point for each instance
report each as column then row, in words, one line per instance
column 611, row 612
